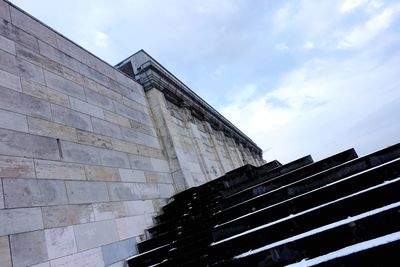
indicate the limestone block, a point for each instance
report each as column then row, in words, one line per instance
column 109, row 210
column 119, row 251
column 22, row 103
column 158, row 177
column 166, row 190
column 94, row 75
column 147, row 190
column 53, row 192
column 19, row 36
column 51, row 129
column 71, row 49
column 137, row 207
column 133, row 136
column 46, row 169
column 71, row 118
column 160, row 165
column 102, row 90
column 20, row 220
column 32, row 26
column 128, row 175
column 123, row 191
column 130, row 226
column 86, row 192
column 117, row 119
column 118, row 264
column 20, row 67
column 150, row 152
column 1, row 197
column 86, row 108
column 89, row 258
column 58, row 56
column 93, row 139
column 124, row 146
column 106, row 128
column 7, row 45
column 28, row 248
column 137, row 126
column 114, row 158
column 4, row 11
column 10, row 81
column 158, row 203
column 45, row 93
column 127, row 112
column 95, row 234
column 141, row 163
column 5, row 256
column 80, row 153
column 60, row 242
column 21, row 193
column 58, row 216
column 43, row 264
column 99, row 100
column 151, row 141
column 63, row 85
column 16, row 167
column 100, row 173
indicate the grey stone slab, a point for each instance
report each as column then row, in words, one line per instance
column 123, row 191
column 7, row 45
column 71, row 118
column 101, row 173
column 89, row 258
column 10, row 81
column 20, row 220
column 28, row 248
column 23, row 103
column 166, row 190
column 27, row 145
column 13, row 121
column 160, row 165
column 32, row 26
column 58, row 56
column 5, row 256
column 5, row 11
column 114, row 158
column 53, row 192
column 94, row 75
column 43, row 264
column 137, row 207
column 46, row 169
column 16, row 167
column 58, row 216
column 91, row 235
column 159, row 177
column 108, row 210
column 119, row 251
column 19, row 36
column 99, row 100
column 1, row 196
column 141, row 163
column 86, row 192
column 131, row 226
column 21, row 193
column 106, row 128
column 93, row 139
column 86, row 108
column 63, row 85
column 60, row 241
column 117, row 119
column 131, row 135
column 45, row 93
column 80, row 153
column 128, row 175
column 127, row 112
column 51, row 129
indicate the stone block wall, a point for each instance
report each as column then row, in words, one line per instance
column 82, row 170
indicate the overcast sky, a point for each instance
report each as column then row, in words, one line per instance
column 298, row 77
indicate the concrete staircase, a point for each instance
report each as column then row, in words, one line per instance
column 343, row 210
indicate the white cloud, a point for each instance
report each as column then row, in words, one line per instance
column 101, row 39
column 349, row 5
column 281, row 46
column 308, row 45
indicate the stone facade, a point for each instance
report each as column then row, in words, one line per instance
column 88, row 154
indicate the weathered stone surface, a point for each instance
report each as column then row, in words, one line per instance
column 45, row 93
column 114, row 158
column 138, row 207
column 89, row 258
column 63, row 85
column 119, row 251
column 131, row 135
column 109, row 210
column 128, row 175
column 80, row 153
column 43, row 264
column 71, row 118
column 117, row 119
column 16, row 167
column 10, row 81
column 20, row 220
column 137, row 126
column 5, row 11
column 100, row 173
column 46, row 169
column 58, row 216
column 93, row 139
column 53, row 192
column 150, row 152
column 158, row 177
column 160, row 165
column 19, row 36
column 60, row 242
column 91, row 235
column 130, row 226
column 132, row 191
column 99, row 100
column 103, row 90
column 86, row 108
column 124, row 146
column 58, row 56
column 7, row 45
column 106, row 128
column 5, row 256
column 21, row 193
column 22, row 103
column 28, row 248
column 141, row 163
column 51, row 129
column 32, row 26
column 1, row 197
column 166, row 190
column 86, row 192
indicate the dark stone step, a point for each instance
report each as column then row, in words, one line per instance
column 293, row 225
column 149, row 258
column 334, row 237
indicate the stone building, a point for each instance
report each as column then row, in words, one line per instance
column 89, row 152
